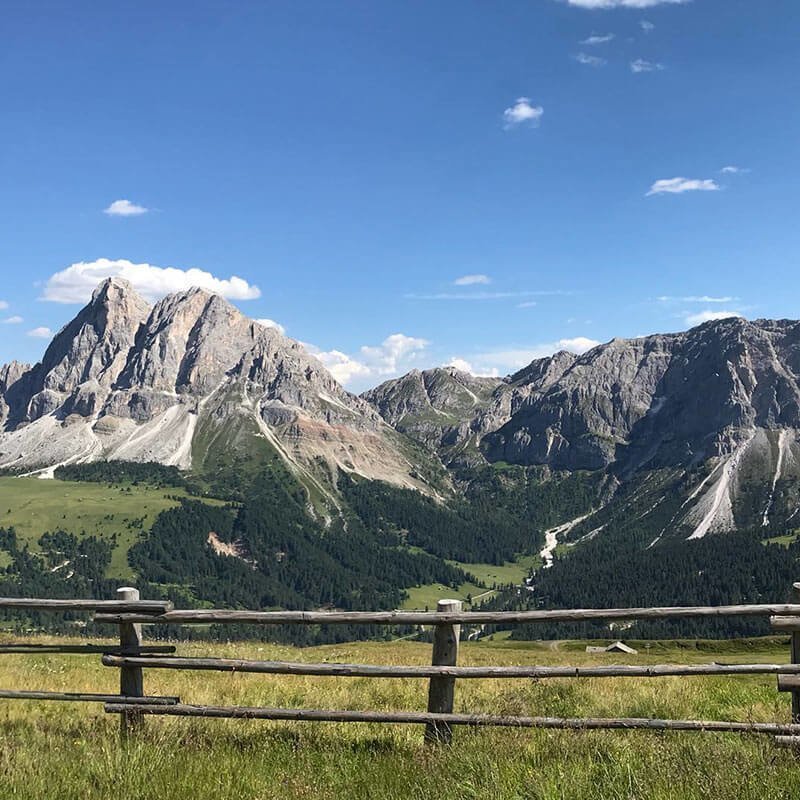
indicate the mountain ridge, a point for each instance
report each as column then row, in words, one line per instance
column 128, row 381
column 709, row 416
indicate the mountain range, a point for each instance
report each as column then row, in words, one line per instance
column 180, row 383
column 683, row 434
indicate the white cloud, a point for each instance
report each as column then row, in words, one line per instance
column 124, row 208
column 598, row 38
column 522, row 111
column 465, row 366
column 394, row 355
column 647, row 26
column 41, row 333
column 3, row 305
column 76, row 283
column 708, row 315
column 623, row 3
column 502, row 362
column 527, row 304
column 270, row 323
column 344, row 368
column 13, row 320
column 578, row 344
column 472, row 280
column 484, row 295
column 641, row 65
column 694, row 298
column 733, row 170
column 590, row 61
column 680, row 185
column 460, row 364
column 386, row 358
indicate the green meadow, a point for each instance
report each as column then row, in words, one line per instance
column 33, row 506
column 64, row 751
column 488, row 575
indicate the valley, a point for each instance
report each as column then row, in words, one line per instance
column 215, row 460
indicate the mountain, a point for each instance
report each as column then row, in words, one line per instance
column 685, row 433
column 602, row 464
column 711, row 417
column 189, row 382
column 435, row 406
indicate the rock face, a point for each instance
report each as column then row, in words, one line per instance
column 83, row 359
column 126, row 381
column 661, row 400
column 724, row 396
column 433, row 406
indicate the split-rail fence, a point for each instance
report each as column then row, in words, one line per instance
column 133, row 656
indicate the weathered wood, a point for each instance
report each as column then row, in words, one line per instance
column 795, row 645
column 131, row 679
column 441, row 689
column 390, row 671
column 788, row 683
column 119, row 606
column 788, row 741
column 475, row 720
column 86, row 697
column 222, row 616
column 784, row 623
column 78, row 649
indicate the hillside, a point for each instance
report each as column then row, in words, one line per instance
column 181, row 383
column 706, row 422
column 261, row 477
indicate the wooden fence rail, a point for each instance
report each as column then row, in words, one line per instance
column 380, row 671
column 132, row 658
column 446, row 617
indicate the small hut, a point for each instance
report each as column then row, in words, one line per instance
column 615, row 647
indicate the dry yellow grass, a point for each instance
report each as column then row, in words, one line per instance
column 72, row 750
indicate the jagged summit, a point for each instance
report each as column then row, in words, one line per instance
column 114, row 289
column 663, row 399
column 429, row 404
column 182, row 382
column 723, row 396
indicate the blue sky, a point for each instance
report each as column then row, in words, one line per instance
column 349, row 162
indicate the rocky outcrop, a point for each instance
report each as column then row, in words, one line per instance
column 663, row 400
column 660, row 400
column 13, row 389
column 433, row 406
column 126, row 381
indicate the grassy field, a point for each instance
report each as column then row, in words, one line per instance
column 510, row 572
column 71, row 750
column 425, row 596
column 33, row 506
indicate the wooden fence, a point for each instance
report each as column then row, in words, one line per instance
column 132, row 657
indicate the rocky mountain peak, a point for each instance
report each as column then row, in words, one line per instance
column 114, row 290
column 89, row 350
column 542, row 371
column 10, row 373
column 189, row 382
column 187, row 344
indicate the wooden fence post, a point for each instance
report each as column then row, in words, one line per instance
column 131, row 679
column 796, row 657
column 441, row 690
